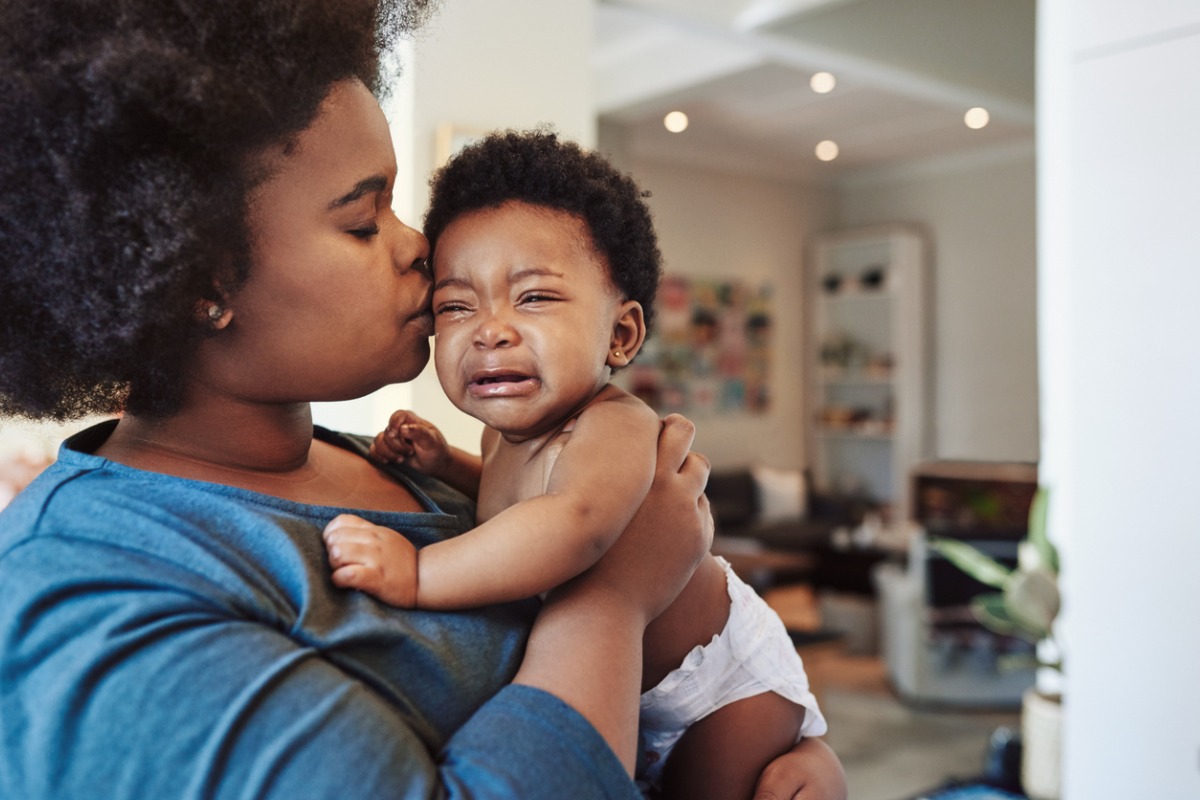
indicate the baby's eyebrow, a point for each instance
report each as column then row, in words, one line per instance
column 534, row 272
column 451, row 281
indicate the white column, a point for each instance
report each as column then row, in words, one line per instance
column 1119, row 122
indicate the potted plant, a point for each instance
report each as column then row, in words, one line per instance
column 1026, row 605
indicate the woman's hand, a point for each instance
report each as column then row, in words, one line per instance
column 672, row 530
column 586, row 646
column 809, row 771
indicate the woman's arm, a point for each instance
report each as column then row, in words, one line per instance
column 586, row 647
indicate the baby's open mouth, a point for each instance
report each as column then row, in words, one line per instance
column 502, row 384
column 506, row 378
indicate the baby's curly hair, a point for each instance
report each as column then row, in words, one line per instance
column 538, row 168
column 127, row 135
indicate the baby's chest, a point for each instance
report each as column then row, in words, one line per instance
column 511, row 475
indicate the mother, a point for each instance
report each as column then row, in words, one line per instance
column 196, row 234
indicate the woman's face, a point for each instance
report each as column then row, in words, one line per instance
column 336, row 304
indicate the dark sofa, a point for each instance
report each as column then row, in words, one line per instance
column 733, row 495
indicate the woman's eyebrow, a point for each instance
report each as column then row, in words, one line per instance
column 376, row 183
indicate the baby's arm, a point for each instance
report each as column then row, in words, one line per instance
column 597, row 483
column 409, row 439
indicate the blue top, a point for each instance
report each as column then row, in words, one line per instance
column 170, row 638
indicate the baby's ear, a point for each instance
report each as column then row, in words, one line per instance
column 629, row 332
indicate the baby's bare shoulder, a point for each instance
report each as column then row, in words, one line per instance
column 618, row 402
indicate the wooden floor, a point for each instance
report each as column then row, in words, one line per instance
column 827, row 664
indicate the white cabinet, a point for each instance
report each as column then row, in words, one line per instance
column 868, row 367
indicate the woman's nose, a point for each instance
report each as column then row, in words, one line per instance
column 411, row 251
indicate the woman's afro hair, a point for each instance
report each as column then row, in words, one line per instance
column 538, row 168
column 127, row 135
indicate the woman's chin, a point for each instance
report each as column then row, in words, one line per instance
column 413, row 363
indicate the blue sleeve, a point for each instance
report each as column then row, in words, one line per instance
column 125, row 679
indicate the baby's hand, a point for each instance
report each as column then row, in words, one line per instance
column 372, row 559
column 411, row 440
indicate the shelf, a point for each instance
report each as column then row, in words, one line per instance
column 867, row 353
column 856, row 296
column 836, row 377
column 850, row 433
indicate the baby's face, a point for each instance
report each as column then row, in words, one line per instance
column 524, row 311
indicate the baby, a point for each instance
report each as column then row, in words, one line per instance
column 545, row 269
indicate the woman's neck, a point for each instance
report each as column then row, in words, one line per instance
column 252, row 439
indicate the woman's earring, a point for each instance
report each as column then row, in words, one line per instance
column 218, row 316
column 617, row 353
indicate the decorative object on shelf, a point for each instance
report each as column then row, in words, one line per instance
column 1026, row 606
column 844, row 351
column 832, row 283
column 872, row 278
column 711, row 348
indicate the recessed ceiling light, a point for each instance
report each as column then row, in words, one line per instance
column 822, row 82
column 827, row 150
column 676, row 122
column 976, row 118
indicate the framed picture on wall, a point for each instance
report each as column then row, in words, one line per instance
column 710, row 351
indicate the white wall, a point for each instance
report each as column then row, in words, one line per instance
column 979, row 212
column 717, row 225
column 1119, row 122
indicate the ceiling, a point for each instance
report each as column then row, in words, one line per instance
column 906, row 71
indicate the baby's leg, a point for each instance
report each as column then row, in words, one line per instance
column 722, row 755
column 696, row 616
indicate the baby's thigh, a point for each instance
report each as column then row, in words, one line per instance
column 722, row 755
column 697, row 615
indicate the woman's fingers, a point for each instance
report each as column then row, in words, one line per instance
column 674, row 442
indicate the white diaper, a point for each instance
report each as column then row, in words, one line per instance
column 752, row 655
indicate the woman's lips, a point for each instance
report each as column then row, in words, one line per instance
column 423, row 321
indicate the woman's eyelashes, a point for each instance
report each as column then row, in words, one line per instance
column 365, row 231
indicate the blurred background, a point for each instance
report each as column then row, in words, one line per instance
column 896, row 304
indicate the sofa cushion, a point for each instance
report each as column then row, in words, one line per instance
column 780, row 493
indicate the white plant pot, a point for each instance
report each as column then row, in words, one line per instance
column 1041, row 735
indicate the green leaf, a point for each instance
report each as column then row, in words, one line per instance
column 1011, row 662
column 992, row 613
column 975, row 563
column 1032, row 600
column 1047, row 554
